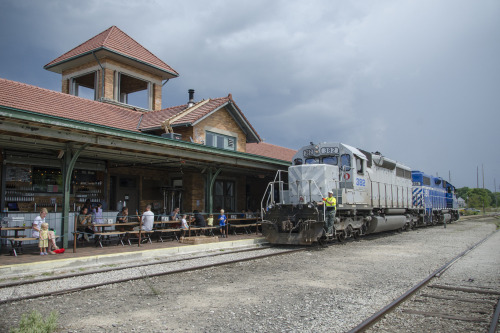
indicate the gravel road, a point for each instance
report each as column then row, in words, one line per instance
column 328, row 289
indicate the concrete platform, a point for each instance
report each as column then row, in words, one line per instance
column 31, row 263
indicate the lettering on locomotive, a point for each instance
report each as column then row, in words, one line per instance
column 323, row 151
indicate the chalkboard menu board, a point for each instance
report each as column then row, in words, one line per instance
column 18, row 174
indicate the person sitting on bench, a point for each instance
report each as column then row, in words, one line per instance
column 84, row 222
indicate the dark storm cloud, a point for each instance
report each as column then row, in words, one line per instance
column 416, row 80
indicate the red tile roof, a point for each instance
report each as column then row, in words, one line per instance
column 31, row 98
column 26, row 97
column 117, row 41
column 270, row 150
column 154, row 119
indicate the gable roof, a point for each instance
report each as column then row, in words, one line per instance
column 152, row 120
column 116, row 42
column 270, row 150
column 23, row 96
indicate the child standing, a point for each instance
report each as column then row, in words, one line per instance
column 98, row 215
column 222, row 223
column 184, row 224
column 43, row 241
column 210, row 221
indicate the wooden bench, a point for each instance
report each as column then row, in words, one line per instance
column 140, row 235
column 105, row 237
column 235, row 227
column 245, row 226
column 209, row 230
column 173, row 232
column 17, row 243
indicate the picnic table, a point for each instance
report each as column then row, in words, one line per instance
column 104, row 236
column 16, row 242
column 244, row 223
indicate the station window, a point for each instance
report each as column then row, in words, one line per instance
column 345, row 161
column 133, row 91
column 220, row 141
column 332, row 160
column 224, row 195
column 85, row 86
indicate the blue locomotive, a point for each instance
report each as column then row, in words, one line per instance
column 372, row 192
column 434, row 199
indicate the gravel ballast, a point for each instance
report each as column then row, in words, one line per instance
column 328, row 289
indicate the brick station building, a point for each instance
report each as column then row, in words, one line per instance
column 92, row 141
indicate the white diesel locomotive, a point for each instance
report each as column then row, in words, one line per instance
column 373, row 194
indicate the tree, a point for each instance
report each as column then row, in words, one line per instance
column 462, row 192
column 479, row 198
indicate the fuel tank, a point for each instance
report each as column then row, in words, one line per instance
column 381, row 223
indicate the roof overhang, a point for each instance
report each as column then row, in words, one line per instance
column 102, row 53
column 31, row 129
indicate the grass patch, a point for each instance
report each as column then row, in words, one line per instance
column 36, row 323
column 48, row 273
column 149, row 283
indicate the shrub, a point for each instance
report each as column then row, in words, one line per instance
column 36, row 323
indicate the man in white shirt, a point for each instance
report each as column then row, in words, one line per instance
column 148, row 218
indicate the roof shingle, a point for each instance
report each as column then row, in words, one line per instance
column 117, row 41
column 35, row 99
column 26, row 97
column 270, row 150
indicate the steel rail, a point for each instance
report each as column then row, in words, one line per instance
column 182, row 270
column 494, row 319
column 105, row 270
column 391, row 306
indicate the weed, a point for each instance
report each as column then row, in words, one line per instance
column 48, row 273
column 149, row 283
column 35, row 322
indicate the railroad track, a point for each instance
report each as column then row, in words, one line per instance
column 460, row 306
column 23, row 290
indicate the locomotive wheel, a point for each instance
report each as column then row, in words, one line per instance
column 348, row 232
column 341, row 237
column 355, row 234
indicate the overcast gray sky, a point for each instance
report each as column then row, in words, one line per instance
column 418, row 80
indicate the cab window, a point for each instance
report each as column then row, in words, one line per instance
column 359, row 165
column 332, row 160
column 345, row 161
column 312, row 161
column 297, row 161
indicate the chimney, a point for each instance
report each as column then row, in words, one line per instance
column 191, row 98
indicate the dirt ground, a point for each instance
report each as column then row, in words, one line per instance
column 318, row 290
